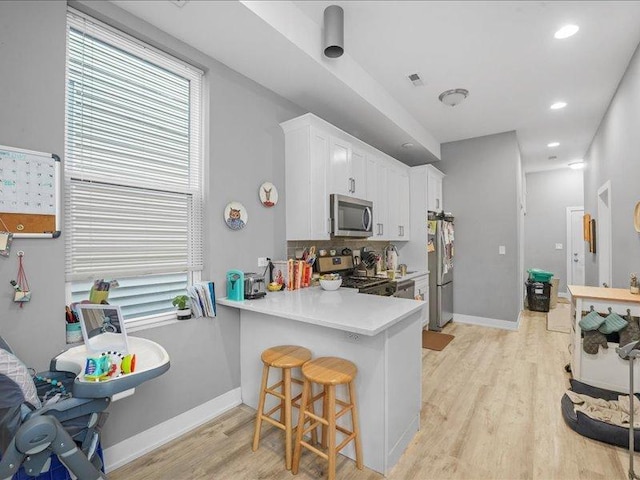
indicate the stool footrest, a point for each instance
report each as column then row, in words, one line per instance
column 270, row 412
column 311, row 427
column 314, row 450
column 345, row 441
column 344, row 410
column 274, row 393
column 273, row 422
column 316, row 418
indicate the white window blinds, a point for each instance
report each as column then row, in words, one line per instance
column 133, row 157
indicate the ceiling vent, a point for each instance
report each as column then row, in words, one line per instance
column 415, row 79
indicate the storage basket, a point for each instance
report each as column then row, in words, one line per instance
column 538, row 296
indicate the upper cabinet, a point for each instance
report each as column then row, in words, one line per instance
column 320, row 160
column 435, row 201
column 347, row 167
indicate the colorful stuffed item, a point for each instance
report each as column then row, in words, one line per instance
column 632, row 332
column 591, row 321
column 592, row 341
column 613, row 323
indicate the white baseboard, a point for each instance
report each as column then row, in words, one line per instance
column 487, row 322
column 133, row 447
column 563, row 294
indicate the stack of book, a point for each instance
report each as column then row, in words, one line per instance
column 203, row 299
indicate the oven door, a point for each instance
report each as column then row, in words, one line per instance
column 351, row 217
column 385, row 290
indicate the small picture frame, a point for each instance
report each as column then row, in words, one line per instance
column 236, row 216
column 268, row 194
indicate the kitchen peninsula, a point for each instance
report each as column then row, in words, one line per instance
column 381, row 335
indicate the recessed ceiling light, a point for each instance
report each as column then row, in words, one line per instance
column 577, row 165
column 558, row 105
column 566, row 32
column 407, row 145
column 553, row 144
column 453, row 97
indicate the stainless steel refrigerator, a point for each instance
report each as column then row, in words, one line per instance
column 440, row 249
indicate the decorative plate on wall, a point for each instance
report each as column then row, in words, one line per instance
column 235, row 215
column 268, row 194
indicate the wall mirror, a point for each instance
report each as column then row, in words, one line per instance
column 103, row 328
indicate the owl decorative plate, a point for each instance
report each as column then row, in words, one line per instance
column 235, row 215
column 268, row 194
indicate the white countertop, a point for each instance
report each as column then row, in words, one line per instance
column 343, row 309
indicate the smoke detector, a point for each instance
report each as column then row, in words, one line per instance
column 453, row 97
column 415, row 79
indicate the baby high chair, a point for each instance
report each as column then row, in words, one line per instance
column 31, row 430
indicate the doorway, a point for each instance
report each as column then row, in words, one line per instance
column 575, row 246
column 603, row 238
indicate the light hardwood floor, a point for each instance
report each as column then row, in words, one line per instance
column 491, row 410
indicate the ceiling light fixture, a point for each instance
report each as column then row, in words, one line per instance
column 453, row 97
column 407, row 145
column 577, row 165
column 333, row 31
column 553, row 144
column 566, row 32
column 558, row 105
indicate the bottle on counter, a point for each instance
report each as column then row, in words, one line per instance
column 633, row 284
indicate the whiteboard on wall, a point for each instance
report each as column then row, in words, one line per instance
column 29, row 193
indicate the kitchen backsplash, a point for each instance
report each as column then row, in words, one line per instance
column 336, row 244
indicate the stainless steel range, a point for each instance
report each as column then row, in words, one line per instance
column 343, row 264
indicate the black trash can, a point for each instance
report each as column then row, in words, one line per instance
column 538, row 296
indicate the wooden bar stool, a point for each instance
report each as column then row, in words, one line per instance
column 284, row 357
column 328, row 372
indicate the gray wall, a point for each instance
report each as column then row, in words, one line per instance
column 246, row 148
column 614, row 155
column 481, row 190
column 548, row 196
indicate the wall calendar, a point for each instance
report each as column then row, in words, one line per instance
column 29, row 193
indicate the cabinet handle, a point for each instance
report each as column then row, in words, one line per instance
column 437, row 204
column 354, row 184
column 399, row 231
column 329, row 226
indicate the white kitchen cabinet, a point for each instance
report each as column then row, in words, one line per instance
column 358, row 172
column 321, row 159
column 435, row 200
column 398, row 203
column 422, row 293
column 346, row 169
column 307, row 201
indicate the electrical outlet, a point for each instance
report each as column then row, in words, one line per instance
column 263, row 262
column 502, row 250
column 558, row 246
column 353, row 337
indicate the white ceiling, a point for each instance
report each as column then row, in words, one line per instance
column 503, row 52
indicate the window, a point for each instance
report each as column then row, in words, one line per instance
column 133, row 183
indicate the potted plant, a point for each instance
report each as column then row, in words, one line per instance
column 181, row 302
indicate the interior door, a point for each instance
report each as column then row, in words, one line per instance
column 575, row 246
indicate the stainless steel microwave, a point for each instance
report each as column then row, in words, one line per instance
column 350, row 217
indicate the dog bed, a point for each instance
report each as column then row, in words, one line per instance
column 592, row 428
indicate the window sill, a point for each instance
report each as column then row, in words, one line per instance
column 151, row 321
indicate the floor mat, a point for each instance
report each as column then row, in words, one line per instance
column 559, row 318
column 435, row 340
